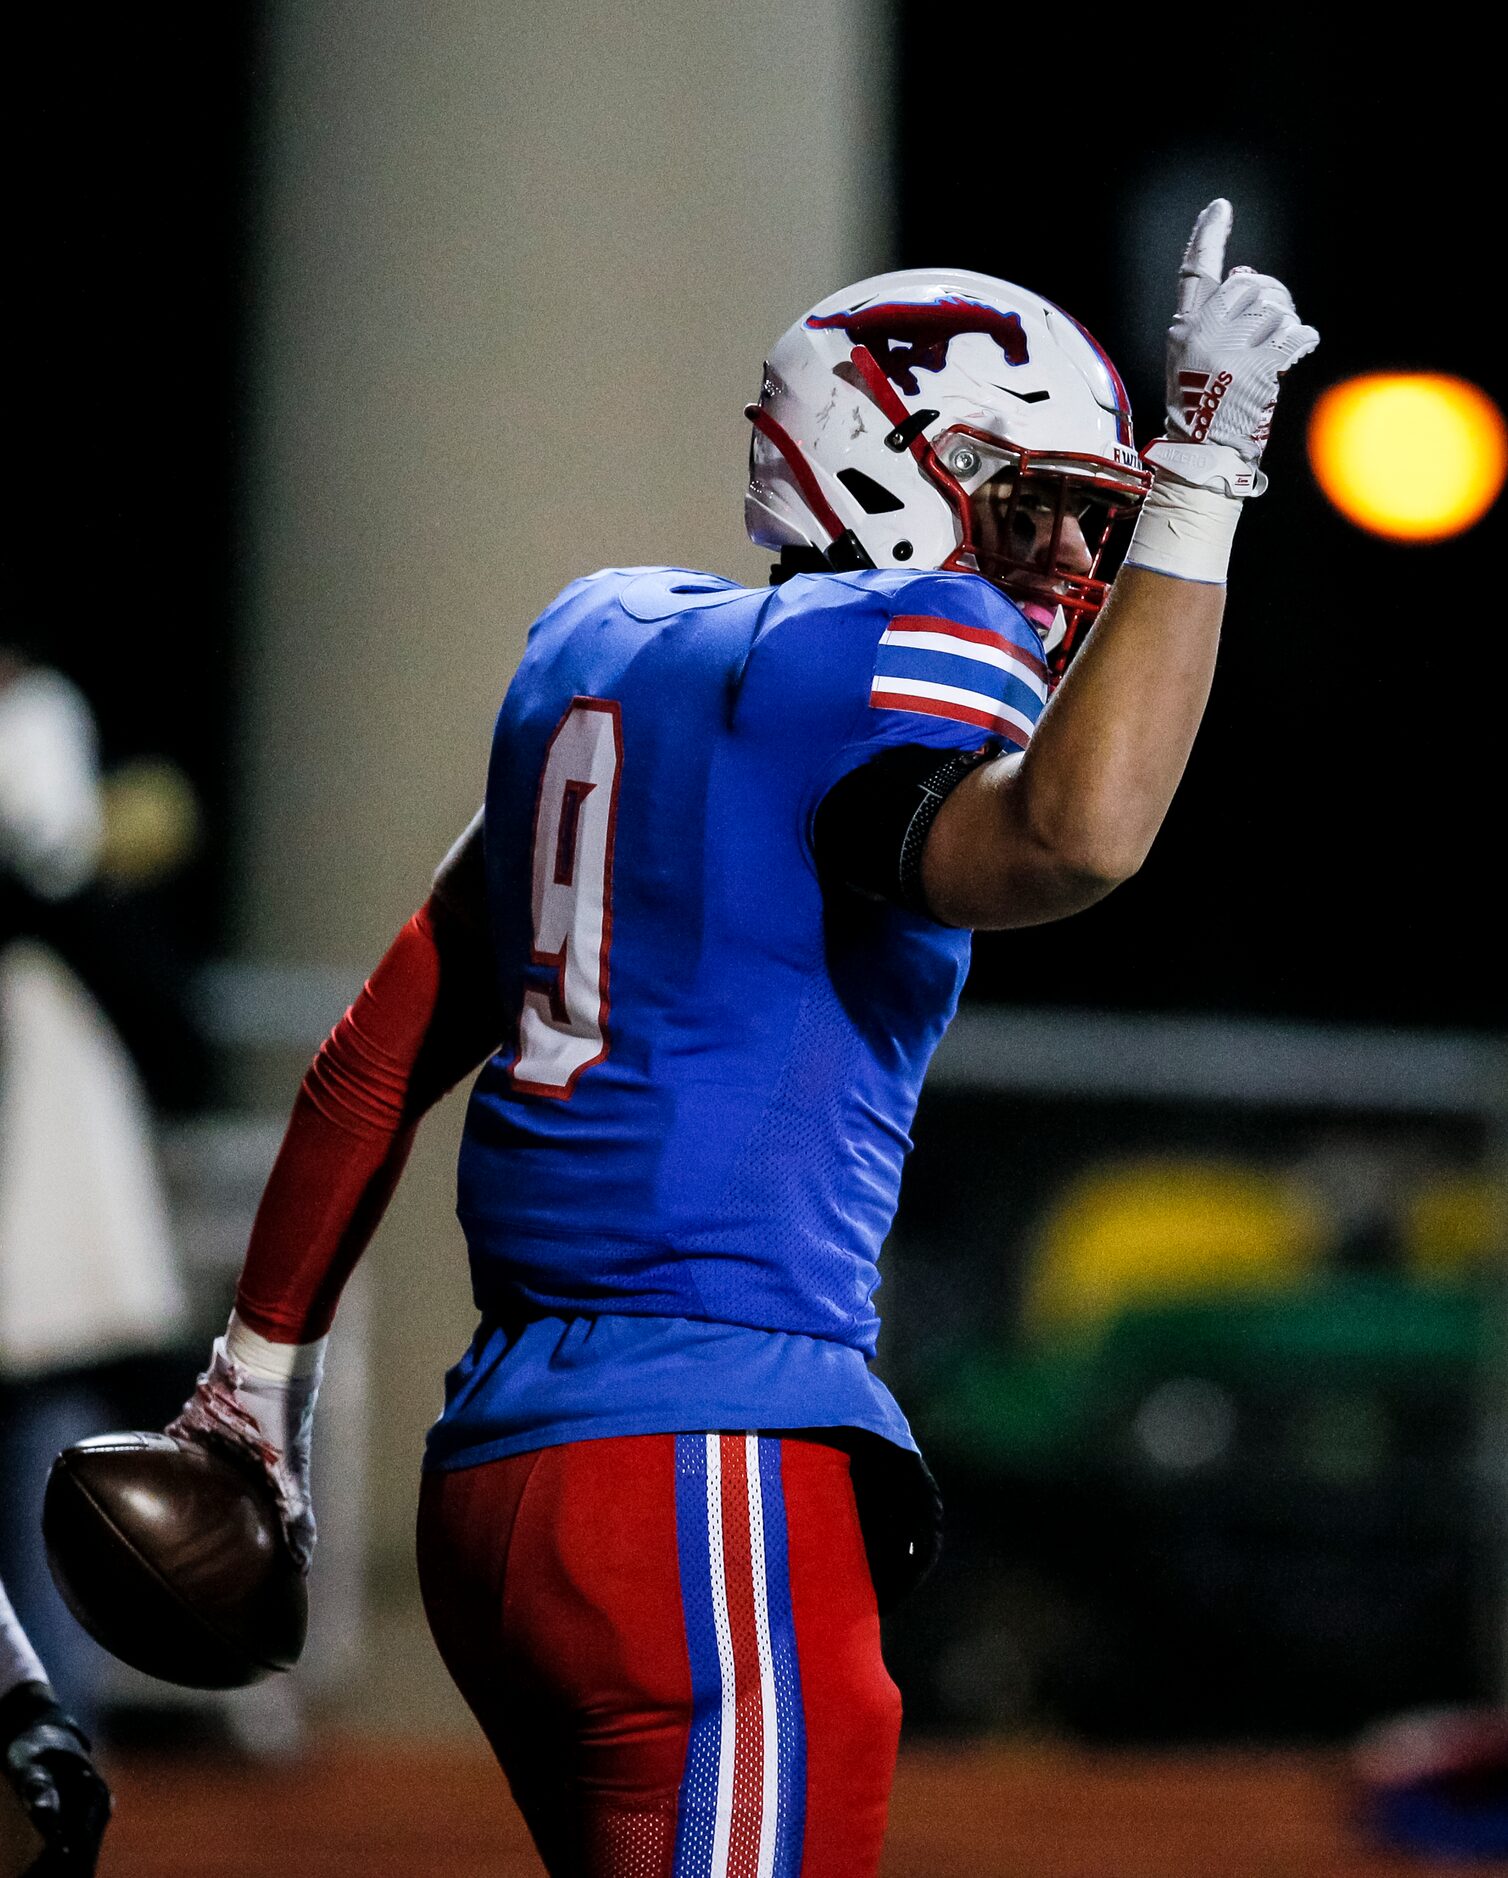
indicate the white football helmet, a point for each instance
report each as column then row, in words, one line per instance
column 886, row 408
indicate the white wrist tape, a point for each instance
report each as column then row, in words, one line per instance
column 273, row 1362
column 1185, row 532
column 1205, row 466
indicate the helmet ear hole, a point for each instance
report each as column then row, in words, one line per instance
column 874, row 498
column 909, row 429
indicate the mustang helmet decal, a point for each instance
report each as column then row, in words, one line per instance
column 911, row 336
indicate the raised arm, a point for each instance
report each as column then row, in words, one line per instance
column 1034, row 837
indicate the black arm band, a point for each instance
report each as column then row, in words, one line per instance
column 871, row 828
column 26, row 1705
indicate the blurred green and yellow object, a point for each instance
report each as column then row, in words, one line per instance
column 152, row 822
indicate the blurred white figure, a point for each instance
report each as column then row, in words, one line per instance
column 52, row 821
column 86, row 1263
column 88, row 1271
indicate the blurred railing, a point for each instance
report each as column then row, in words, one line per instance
column 1091, row 1055
column 1192, row 1059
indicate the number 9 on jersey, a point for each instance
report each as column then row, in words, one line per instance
column 563, row 1026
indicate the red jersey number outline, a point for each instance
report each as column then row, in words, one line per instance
column 562, row 855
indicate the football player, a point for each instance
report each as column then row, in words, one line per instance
column 46, row 1759
column 702, row 940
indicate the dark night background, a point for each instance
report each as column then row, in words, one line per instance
column 1330, row 852
column 129, row 317
column 1326, row 856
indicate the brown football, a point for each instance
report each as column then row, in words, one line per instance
column 173, row 1557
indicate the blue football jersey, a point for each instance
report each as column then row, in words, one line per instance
column 701, row 1115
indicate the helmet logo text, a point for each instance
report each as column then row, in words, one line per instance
column 910, row 336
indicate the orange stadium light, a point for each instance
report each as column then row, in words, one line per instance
column 1414, row 456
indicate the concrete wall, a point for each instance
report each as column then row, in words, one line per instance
column 518, row 267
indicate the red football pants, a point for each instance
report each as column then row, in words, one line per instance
column 672, row 1644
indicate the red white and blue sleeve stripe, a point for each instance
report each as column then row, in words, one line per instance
column 742, row 1802
column 972, row 674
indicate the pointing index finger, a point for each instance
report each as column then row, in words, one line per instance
column 1203, row 264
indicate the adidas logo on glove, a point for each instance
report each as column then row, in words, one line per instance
column 1199, row 395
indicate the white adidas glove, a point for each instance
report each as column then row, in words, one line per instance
column 1233, row 337
column 258, row 1397
column 1230, row 343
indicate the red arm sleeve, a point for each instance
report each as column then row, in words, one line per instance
column 427, row 1016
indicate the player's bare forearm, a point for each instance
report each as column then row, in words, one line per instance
column 1112, row 746
column 1040, row 836
column 1031, row 840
